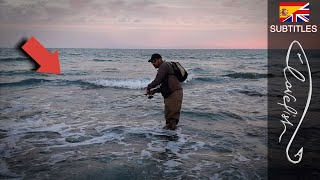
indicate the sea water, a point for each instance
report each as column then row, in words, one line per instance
column 92, row 121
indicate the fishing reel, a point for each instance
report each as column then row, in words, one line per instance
column 150, row 95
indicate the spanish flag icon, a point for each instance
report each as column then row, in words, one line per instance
column 294, row 12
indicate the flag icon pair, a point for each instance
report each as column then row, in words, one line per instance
column 294, row 11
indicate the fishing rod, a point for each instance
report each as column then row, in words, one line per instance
column 145, row 94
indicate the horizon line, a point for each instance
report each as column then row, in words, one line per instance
column 140, row 48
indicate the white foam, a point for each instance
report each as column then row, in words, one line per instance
column 190, row 77
column 145, row 153
column 120, row 153
column 199, row 144
column 197, row 168
column 171, row 164
column 215, row 177
column 239, row 158
column 156, row 149
column 243, row 159
column 121, row 83
column 170, row 171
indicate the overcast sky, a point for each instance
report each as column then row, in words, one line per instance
column 135, row 23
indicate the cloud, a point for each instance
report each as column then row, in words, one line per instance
column 186, row 19
column 119, row 11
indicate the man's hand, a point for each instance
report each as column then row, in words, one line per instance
column 147, row 91
column 150, row 92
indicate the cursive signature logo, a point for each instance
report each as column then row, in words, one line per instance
column 288, row 97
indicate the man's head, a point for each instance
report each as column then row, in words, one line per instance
column 156, row 60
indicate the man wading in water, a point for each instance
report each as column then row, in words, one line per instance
column 170, row 88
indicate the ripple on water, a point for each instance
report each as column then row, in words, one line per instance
column 77, row 138
column 42, row 135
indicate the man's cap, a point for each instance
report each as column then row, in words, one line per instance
column 154, row 56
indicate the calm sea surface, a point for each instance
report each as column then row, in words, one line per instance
column 93, row 122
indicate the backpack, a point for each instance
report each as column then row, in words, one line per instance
column 179, row 71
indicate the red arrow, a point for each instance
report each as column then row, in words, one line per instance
column 49, row 63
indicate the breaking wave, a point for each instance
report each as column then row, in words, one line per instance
column 120, row 83
column 247, row 75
